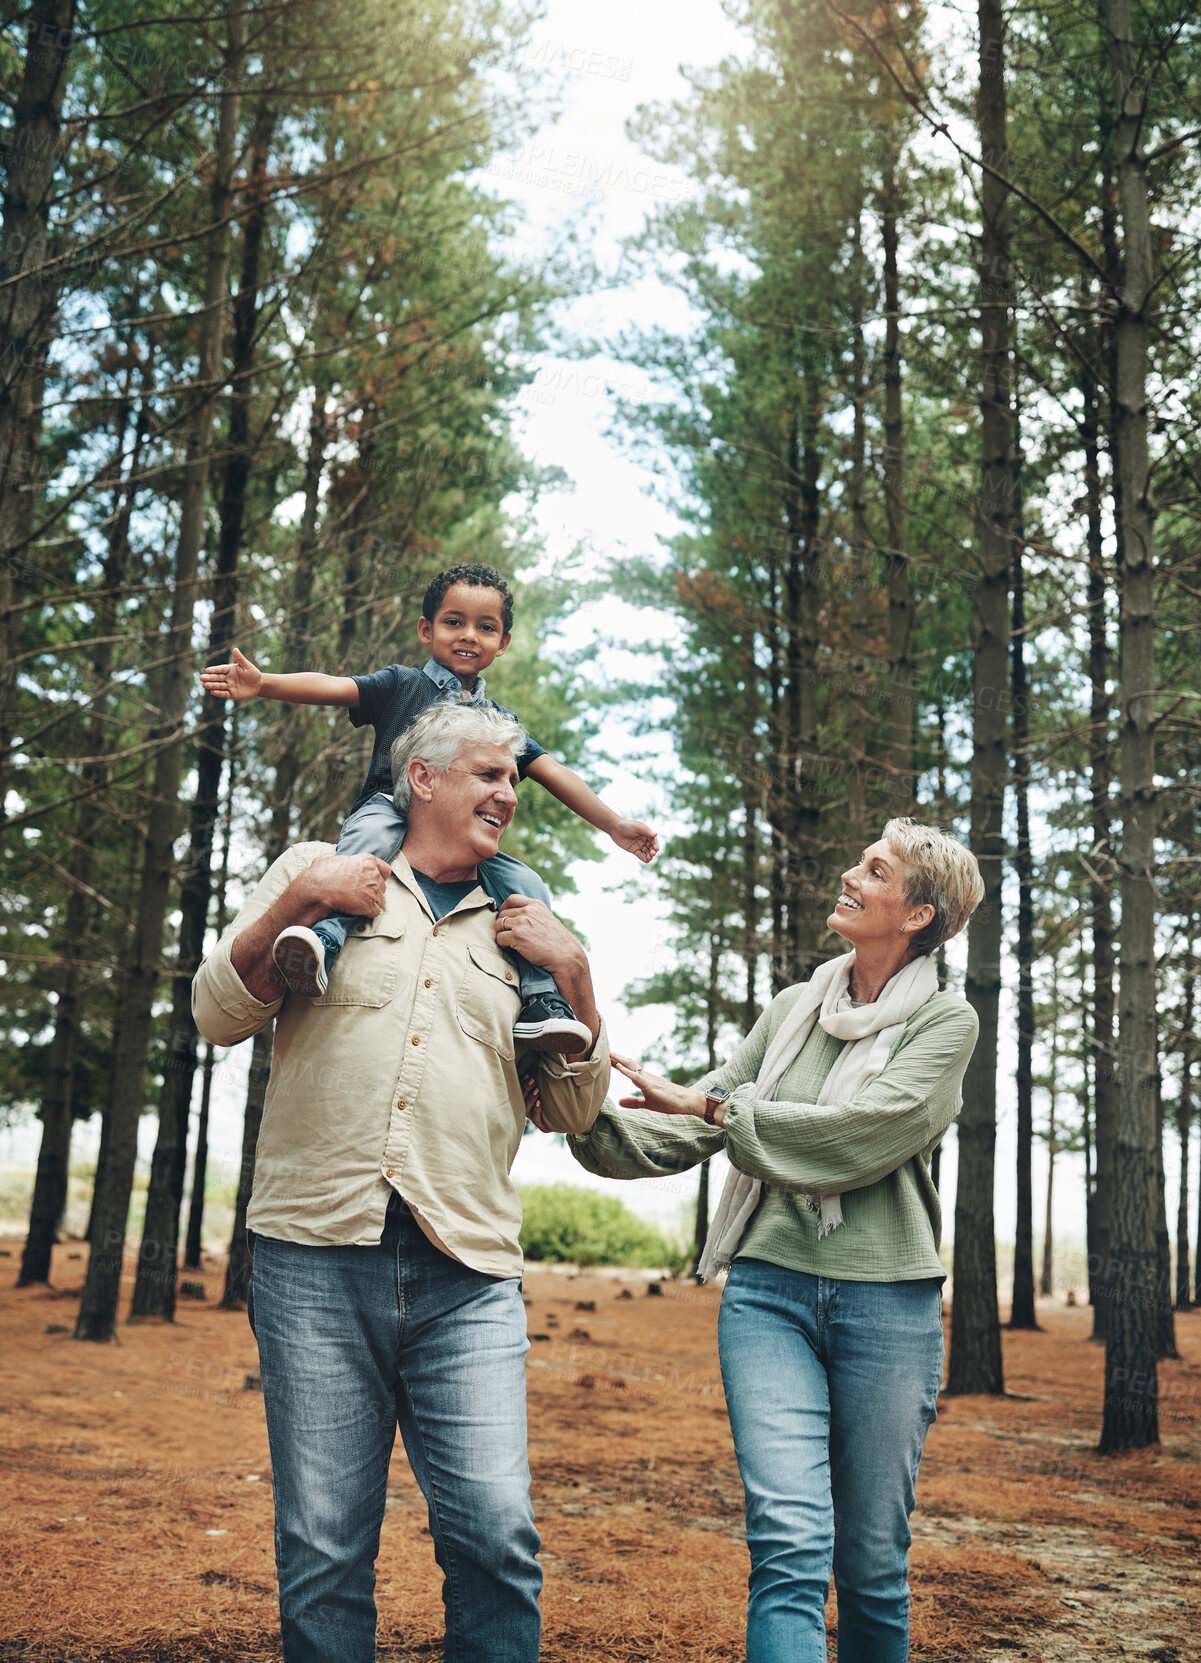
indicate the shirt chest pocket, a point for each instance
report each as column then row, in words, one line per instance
column 367, row 970
column 489, row 1000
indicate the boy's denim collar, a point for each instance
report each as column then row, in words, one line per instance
column 442, row 677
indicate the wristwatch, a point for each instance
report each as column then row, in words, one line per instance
column 713, row 1100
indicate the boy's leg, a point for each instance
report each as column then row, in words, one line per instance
column 305, row 957
column 546, row 1022
column 501, row 877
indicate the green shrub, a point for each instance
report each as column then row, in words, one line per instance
column 564, row 1224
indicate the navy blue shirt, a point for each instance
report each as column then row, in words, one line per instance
column 444, row 897
column 391, row 700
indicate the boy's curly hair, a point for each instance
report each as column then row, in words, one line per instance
column 476, row 576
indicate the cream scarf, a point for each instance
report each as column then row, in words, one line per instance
column 872, row 1031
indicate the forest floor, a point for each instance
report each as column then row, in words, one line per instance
column 137, row 1521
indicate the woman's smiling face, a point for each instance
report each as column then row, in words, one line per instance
column 872, row 906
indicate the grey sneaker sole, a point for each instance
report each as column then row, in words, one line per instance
column 565, row 1039
column 300, row 966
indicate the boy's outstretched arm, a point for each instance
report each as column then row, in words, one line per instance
column 568, row 787
column 244, row 680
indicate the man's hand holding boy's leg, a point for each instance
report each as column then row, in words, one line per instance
column 565, row 1019
column 333, row 883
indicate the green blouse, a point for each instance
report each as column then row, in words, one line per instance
column 874, row 1152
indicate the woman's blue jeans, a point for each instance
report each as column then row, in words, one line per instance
column 831, row 1387
column 352, row 1342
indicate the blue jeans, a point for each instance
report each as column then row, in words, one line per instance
column 352, row 1342
column 378, row 828
column 831, row 1387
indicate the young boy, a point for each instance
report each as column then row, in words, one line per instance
column 466, row 622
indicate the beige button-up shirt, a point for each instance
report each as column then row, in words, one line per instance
column 402, row 1076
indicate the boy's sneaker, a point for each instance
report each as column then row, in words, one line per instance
column 549, row 1024
column 299, row 955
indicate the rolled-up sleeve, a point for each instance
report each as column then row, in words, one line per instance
column 224, row 1009
column 573, row 1092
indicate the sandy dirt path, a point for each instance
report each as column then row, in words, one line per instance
column 138, row 1521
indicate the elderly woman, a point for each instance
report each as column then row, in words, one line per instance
column 830, row 1330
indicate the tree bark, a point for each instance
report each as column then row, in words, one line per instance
column 804, row 502
column 194, row 1243
column 27, row 308
column 857, row 640
column 154, row 1288
column 1131, row 1412
column 975, row 1364
column 1045, row 1285
column 1184, row 1121
column 1165, row 1320
column 241, row 1249
column 1045, row 1281
column 1100, row 871
column 50, row 1183
column 1022, row 1312
column 900, row 599
column 712, row 1007
column 98, row 1308
column 777, row 785
column 750, row 900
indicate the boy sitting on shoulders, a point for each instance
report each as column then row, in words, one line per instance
column 466, row 622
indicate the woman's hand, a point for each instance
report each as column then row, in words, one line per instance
column 533, row 1097
column 657, row 1093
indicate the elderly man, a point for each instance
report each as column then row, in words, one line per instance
column 386, row 1283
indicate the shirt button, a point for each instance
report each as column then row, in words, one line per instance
column 387, row 1172
column 508, row 975
column 435, row 929
column 428, row 983
column 400, row 1104
column 416, row 1041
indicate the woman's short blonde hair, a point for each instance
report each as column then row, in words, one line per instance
column 939, row 873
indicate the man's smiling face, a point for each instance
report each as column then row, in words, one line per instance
column 468, row 631
column 472, row 803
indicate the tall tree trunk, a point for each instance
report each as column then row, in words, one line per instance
column 27, row 308
column 1184, row 1120
column 803, row 646
column 296, row 642
column 1131, row 1416
column 241, row 1250
column 1045, row 1284
column 1100, row 870
column 943, row 819
column 712, row 1005
column 193, row 1243
column 154, row 1288
column 750, row 900
column 98, row 1308
column 1044, row 1281
column 857, row 668
column 133, row 848
column 57, row 1116
column 777, row 784
column 1165, row 1320
column 1022, row 1313
column 975, row 1364
column 900, row 600
column 1197, row 1257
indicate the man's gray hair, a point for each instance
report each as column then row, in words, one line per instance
column 440, row 733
